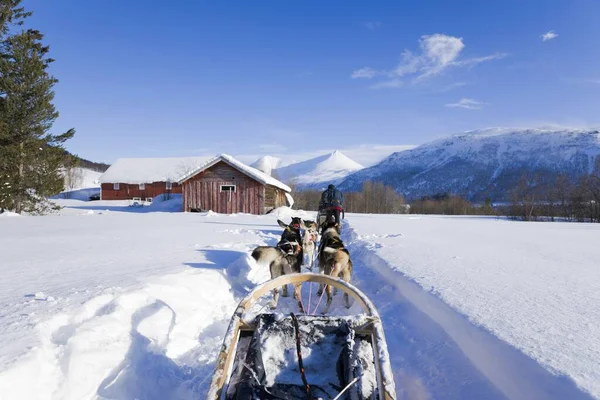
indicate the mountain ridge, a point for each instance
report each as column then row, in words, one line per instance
column 314, row 173
column 483, row 163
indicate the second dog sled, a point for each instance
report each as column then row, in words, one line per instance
column 324, row 213
column 277, row 356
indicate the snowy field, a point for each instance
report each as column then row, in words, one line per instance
column 106, row 301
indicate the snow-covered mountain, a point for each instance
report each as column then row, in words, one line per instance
column 318, row 172
column 267, row 164
column 484, row 163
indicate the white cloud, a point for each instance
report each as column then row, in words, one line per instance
column 437, row 53
column 548, row 36
column 392, row 83
column 453, row 86
column 372, row 25
column 478, row 60
column 469, row 104
column 365, row 73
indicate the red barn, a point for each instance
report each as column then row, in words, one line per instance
column 226, row 185
column 144, row 178
column 221, row 184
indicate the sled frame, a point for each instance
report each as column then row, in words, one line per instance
column 373, row 328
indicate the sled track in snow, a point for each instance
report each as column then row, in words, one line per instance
column 437, row 353
column 159, row 339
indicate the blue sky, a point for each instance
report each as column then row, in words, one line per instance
column 178, row 78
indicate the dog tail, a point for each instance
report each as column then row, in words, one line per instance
column 262, row 254
column 330, row 250
column 256, row 253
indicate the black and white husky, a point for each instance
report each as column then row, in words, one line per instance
column 284, row 258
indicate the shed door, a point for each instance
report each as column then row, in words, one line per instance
column 228, row 198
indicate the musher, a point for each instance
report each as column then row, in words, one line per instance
column 331, row 205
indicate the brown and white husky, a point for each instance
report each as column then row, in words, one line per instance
column 334, row 260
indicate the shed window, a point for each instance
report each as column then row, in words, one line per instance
column 169, row 185
column 228, row 188
column 142, row 186
column 115, row 186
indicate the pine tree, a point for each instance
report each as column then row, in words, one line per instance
column 31, row 157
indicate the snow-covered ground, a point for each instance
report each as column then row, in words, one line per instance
column 106, row 301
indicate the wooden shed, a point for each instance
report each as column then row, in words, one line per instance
column 226, row 185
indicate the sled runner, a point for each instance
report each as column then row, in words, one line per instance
column 324, row 213
column 277, row 356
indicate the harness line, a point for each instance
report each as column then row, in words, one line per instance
column 300, row 362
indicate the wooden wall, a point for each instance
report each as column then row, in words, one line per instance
column 274, row 197
column 128, row 191
column 202, row 191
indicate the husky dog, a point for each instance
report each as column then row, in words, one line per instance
column 334, row 260
column 292, row 234
column 284, row 258
column 281, row 260
column 309, row 241
column 293, row 230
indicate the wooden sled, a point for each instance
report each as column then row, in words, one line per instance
column 348, row 353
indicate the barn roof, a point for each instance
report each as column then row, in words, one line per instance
column 246, row 169
column 147, row 170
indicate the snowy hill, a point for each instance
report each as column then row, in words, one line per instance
column 80, row 184
column 318, row 172
column 81, row 178
column 484, row 163
column 267, row 164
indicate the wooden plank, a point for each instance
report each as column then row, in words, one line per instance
column 234, row 200
column 261, row 198
column 202, row 194
column 215, row 196
column 241, row 198
column 193, row 195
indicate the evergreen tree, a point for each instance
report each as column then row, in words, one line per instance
column 31, row 157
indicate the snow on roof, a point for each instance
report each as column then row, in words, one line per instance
column 246, row 169
column 147, row 170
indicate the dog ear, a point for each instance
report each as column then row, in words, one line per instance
column 282, row 224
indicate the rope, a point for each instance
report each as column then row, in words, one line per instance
column 307, row 312
column 320, row 298
column 300, row 363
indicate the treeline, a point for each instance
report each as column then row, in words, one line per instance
column 91, row 165
column 448, row 204
column 536, row 198
column 374, row 198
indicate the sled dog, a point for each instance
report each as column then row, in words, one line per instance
column 309, row 242
column 334, row 259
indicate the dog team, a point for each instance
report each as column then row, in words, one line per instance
column 297, row 247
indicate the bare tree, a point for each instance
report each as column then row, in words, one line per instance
column 73, row 178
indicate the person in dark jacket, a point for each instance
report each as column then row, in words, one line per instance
column 332, row 203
